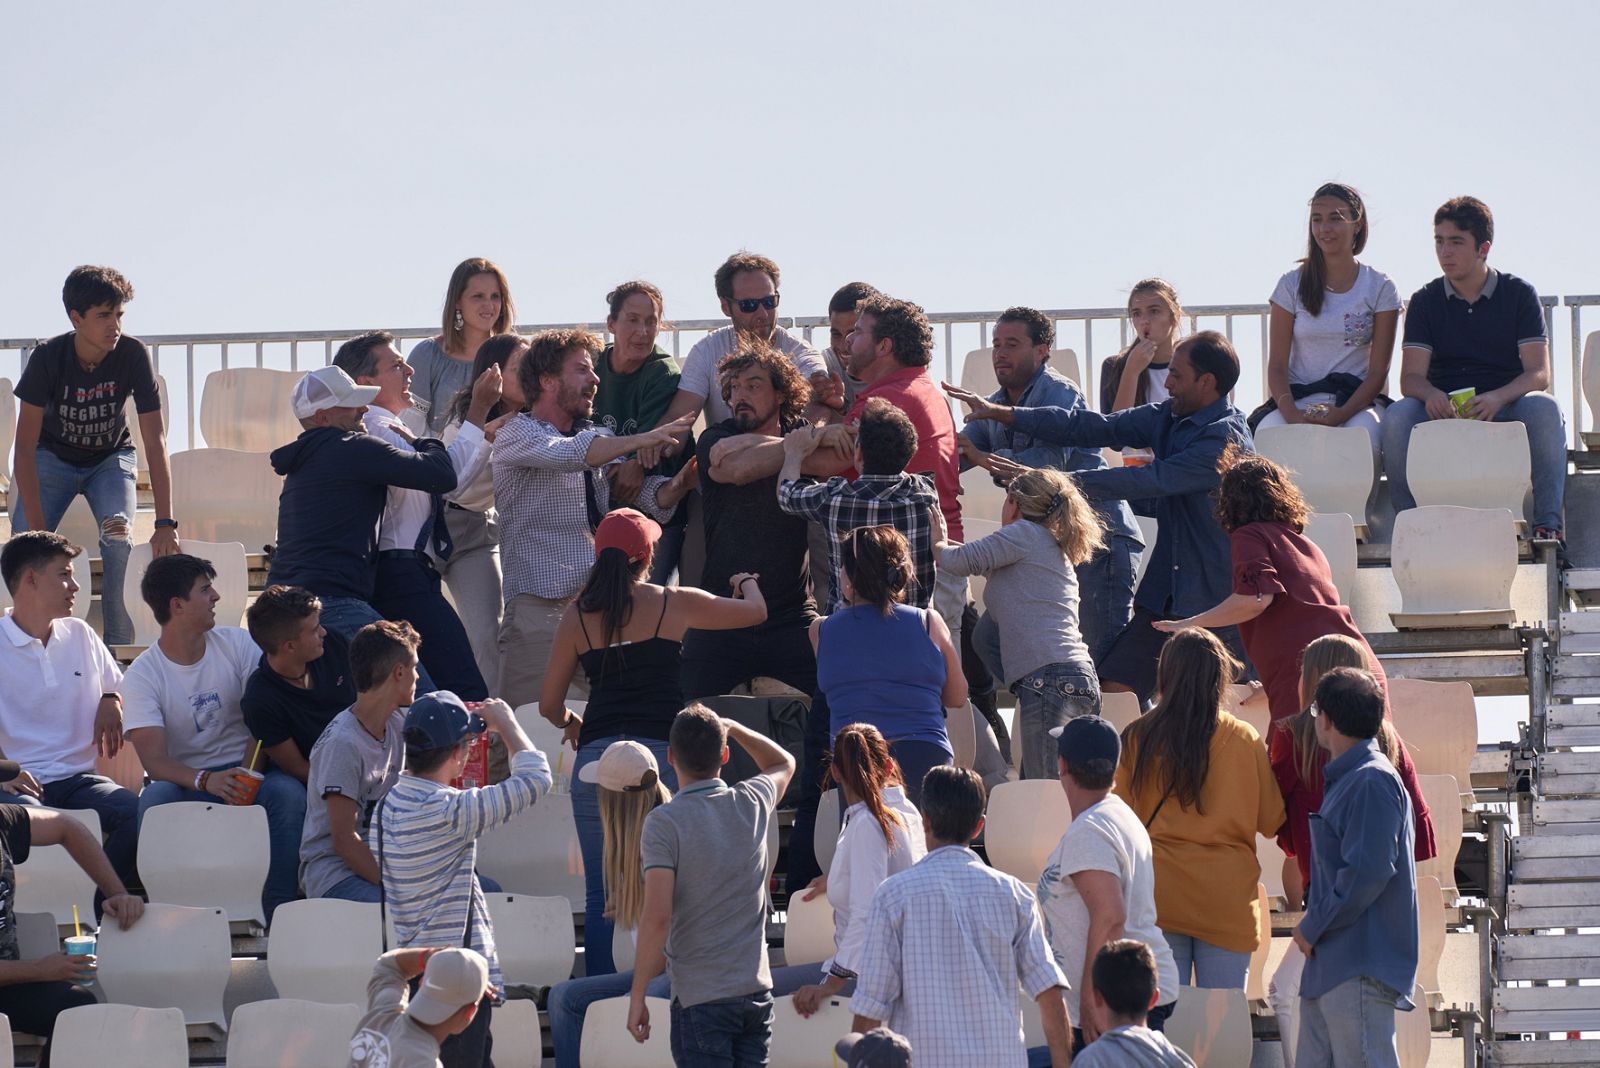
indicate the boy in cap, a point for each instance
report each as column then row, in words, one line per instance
column 877, row 1048
column 406, row 1032
column 1124, row 991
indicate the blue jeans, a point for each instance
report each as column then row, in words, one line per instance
column 1352, row 1024
column 1046, row 699
column 111, row 489
column 347, row 615
column 569, row 1005
column 915, row 758
column 117, row 808
column 1105, row 594
column 284, row 798
column 591, row 840
column 727, row 1033
column 1214, row 967
column 1547, row 444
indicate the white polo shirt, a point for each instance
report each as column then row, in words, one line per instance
column 49, row 694
column 700, row 368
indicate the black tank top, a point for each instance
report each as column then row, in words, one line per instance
column 634, row 687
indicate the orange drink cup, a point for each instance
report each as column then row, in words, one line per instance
column 250, row 782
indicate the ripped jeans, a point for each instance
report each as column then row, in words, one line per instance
column 110, row 488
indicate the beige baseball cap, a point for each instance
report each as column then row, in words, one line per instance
column 329, row 387
column 453, row 979
column 625, row 767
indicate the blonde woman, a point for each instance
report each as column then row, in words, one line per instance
column 1047, row 529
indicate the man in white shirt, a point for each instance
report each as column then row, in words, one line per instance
column 59, row 702
column 183, row 716
column 408, row 586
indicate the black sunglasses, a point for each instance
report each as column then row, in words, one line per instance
column 748, row 306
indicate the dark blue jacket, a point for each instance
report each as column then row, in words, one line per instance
column 335, row 485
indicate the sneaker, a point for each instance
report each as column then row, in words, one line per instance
column 1549, row 534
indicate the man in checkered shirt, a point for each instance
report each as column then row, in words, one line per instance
column 950, row 939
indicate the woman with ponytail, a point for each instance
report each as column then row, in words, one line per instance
column 1333, row 325
column 1047, row 529
column 881, row 836
column 627, row 634
column 882, row 662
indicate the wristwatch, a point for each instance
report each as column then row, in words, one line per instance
column 172, row 523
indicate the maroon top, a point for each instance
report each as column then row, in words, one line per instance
column 1272, row 558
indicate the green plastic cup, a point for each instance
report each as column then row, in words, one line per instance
column 1460, row 398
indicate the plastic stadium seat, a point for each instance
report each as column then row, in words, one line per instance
column 546, row 737
column 1120, row 709
column 232, row 582
column 533, row 937
column 1413, row 1032
column 132, row 415
column 1148, row 528
column 7, row 1056
column 607, row 1044
column 206, row 855
column 1212, row 1026
column 1443, row 796
column 322, row 949
column 1237, row 703
column 8, row 429
column 1471, row 464
column 623, row 950
column 1255, row 982
column 977, row 370
column 1335, row 534
column 830, row 819
column 537, row 852
column 980, row 498
column 1270, row 858
column 289, row 1033
column 1430, row 937
column 1591, row 387
column 173, row 958
column 1332, row 466
column 515, row 1028
column 808, row 932
column 1454, row 567
column 1026, row 820
column 125, row 769
column 1438, row 721
column 94, row 1036
column 37, row 935
column 247, row 408
column 961, row 724
column 807, row 1041
column 51, row 881
column 226, row 496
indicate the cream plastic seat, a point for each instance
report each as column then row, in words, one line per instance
column 623, row 951
column 1438, row 721
column 1591, row 388
column 830, row 820
column 1025, row 822
column 1430, row 937
column 515, row 1027
column 1335, row 534
column 546, row 737
column 537, row 853
column 322, row 949
column 1255, row 982
column 1212, row 1026
column 981, row 499
column 94, row 1036
column 1413, row 1033
column 1270, row 857
column 606, row 1042
column 1443, row 795
column 125, row 769
column 807, row 1041
column 131, row 414
column 51, row 881
column 808, row 931
column 1454, row 567
column 1120, row 709
column 1149, row 527
column 248, row 409
column 202, row 854
column 226, row 496
column 977, row 370
column 8, row 429
column 533, row 937
column 1470, row 464
column 961, row 724
column 37, row 935
column 1332, row 466
column 173, row 958
column 1237, row 703
column 232, row 583
column 290, row 1033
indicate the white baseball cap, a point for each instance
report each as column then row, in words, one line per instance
column 453, row 979
column 329, row 387
column 625, row 767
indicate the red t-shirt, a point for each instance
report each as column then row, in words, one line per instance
column 912, row 391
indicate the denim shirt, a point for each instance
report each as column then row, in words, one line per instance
column 1191, row 563
column 1362, row 917
column 1050, row 389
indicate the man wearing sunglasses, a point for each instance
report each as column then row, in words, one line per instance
column 747, row 286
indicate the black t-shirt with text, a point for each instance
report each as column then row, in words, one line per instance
column 84, row 419
column 276, row 710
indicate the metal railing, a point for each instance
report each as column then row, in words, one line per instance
column 1092, row 333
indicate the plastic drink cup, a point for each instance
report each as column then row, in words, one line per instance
column 249, row 782
column 1460, row 397
column 81, row 946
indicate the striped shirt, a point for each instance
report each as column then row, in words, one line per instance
column 430, row 843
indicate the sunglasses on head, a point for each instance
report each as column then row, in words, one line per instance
column 748, row 306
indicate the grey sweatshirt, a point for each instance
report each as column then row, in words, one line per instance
column 1132, row 1047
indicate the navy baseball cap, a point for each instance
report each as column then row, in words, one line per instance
column 877, row 1048
column 1085, row 738
column 443, row 719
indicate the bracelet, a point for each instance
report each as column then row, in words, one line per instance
column 199, row 781
column 748, row 578
column 571, row 715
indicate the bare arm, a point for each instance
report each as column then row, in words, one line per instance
column 151, row 426
column 1057, row 1026
column 287, row 756
column 1384, row 327
column 690, row 608
column 1138, row 361
column 558, row 673
column 773, row 760
column 30, row 420
column 655, row 919
column 344, row 827
column 606, row 447
column 1236, row 608
column 1102, row 897
column 1535, row 377
column 151, row 745
column 738, row 462
column 1414, row 382
column 52, row 828
column 955, row 682
column 1280, row 339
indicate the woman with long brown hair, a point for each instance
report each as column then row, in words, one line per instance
column 1200, row 782
column 1138, row 374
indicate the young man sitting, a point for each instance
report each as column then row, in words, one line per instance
column 355, row 762
column 401, row 1031
column 302, row 681
column 1124, row 992
column 182, row 705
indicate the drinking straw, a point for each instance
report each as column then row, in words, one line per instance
column 77, row 928
column 252, row 765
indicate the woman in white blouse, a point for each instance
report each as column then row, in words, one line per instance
column 1334, row 321
column 881, row 836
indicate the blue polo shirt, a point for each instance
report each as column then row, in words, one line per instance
column 1474, row 344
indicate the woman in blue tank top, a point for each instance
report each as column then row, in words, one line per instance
column 887, row 664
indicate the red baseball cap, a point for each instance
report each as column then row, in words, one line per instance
column 629, row 530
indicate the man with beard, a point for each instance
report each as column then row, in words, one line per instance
column 551, row 496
